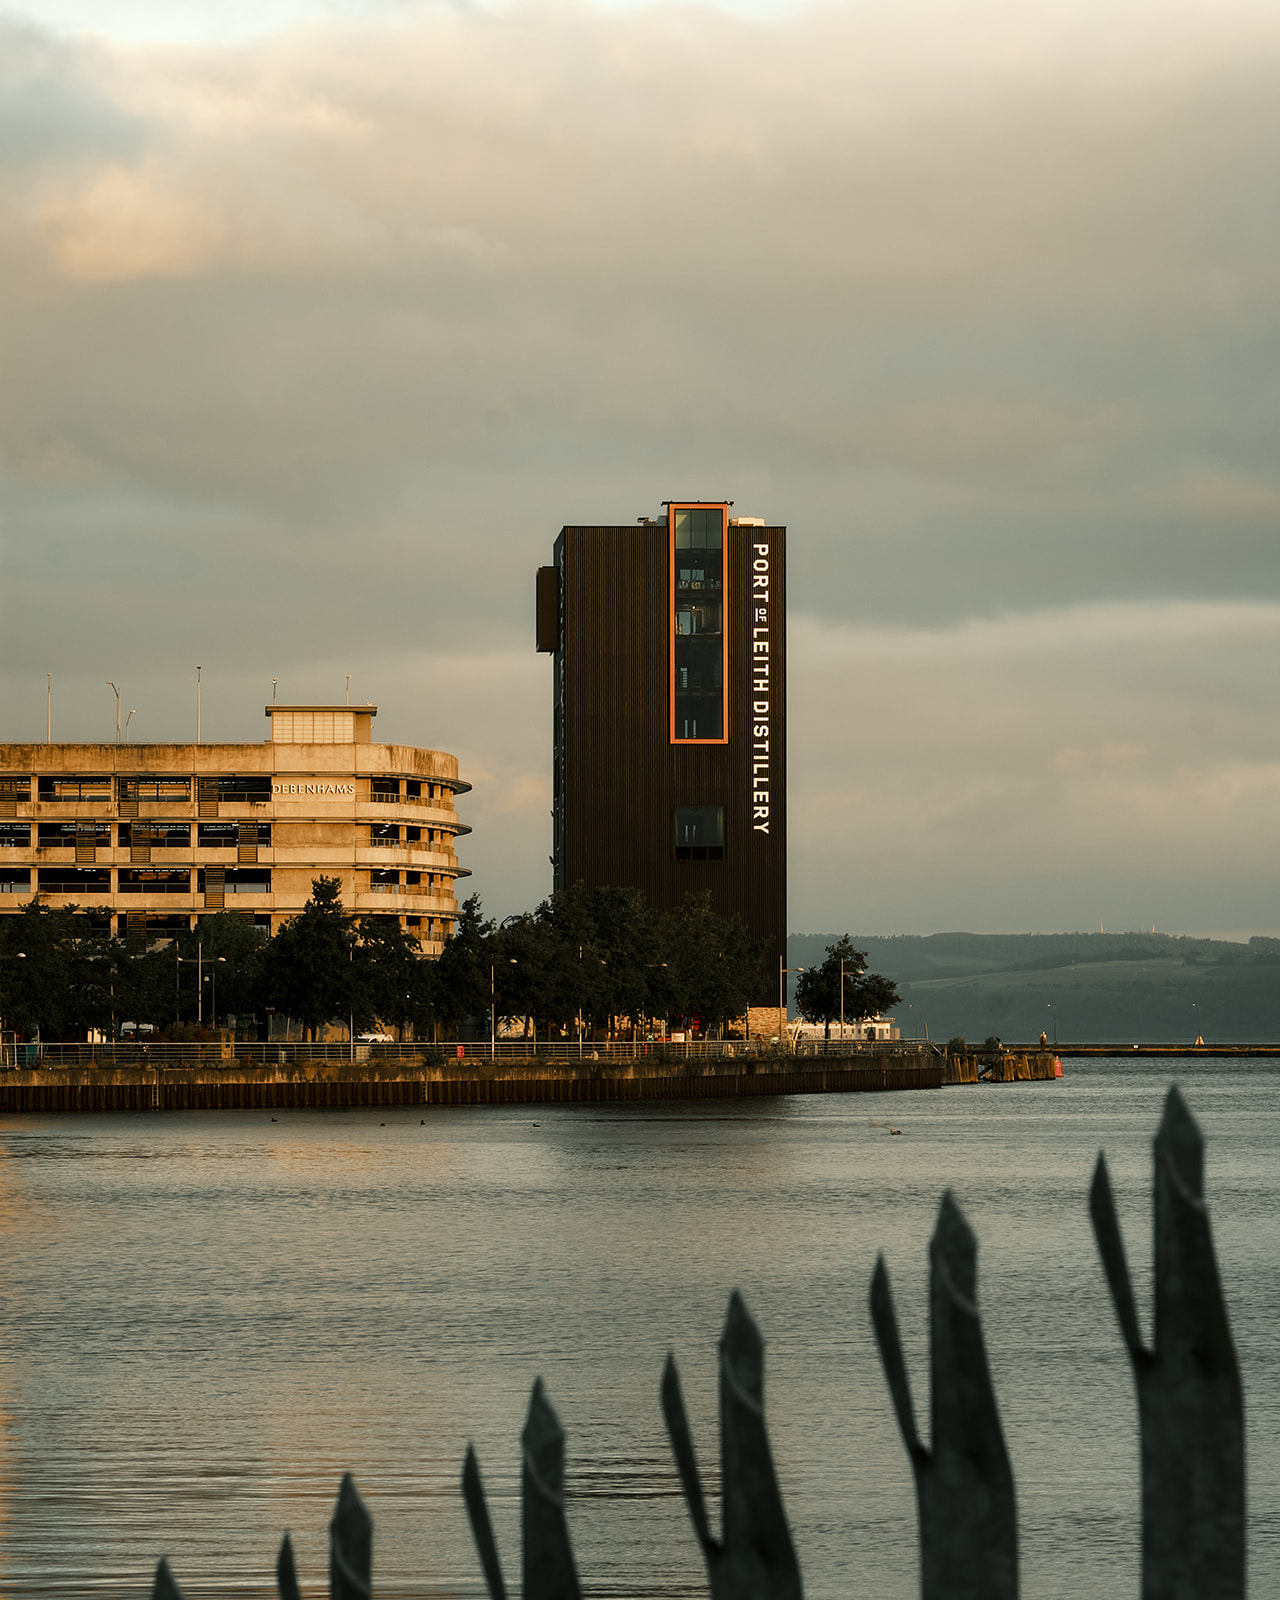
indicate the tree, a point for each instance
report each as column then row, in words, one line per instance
column 393, row 982
column 58, row 971
column 711, row 964
column 866, row 994
column 310, row 968
column 463, row 967
column 224, row 952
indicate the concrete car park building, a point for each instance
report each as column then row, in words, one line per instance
column 670, row 760
column 157, row 834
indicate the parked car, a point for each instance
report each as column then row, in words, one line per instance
column 374, row 1038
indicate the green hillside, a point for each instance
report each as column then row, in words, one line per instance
column 1108, row 988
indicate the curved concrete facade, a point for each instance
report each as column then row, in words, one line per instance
column 157, row 834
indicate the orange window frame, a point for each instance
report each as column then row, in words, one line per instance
column 697, row 505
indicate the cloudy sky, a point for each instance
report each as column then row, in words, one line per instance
column 317, row 320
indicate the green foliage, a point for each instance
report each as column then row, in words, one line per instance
column 392, row 983
column 956, row 1045
column 224, row 956
column 57, row 971
column 712, row 964
column 866, row 994
column 602, row 955
column 311, row 961
column 992, row 1045
column 463, row 969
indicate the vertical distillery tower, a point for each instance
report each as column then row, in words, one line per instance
column 669, row 641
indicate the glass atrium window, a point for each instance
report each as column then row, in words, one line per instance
column 698, row 623
column 699, row 833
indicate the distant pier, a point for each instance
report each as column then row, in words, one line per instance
column 1208, row 1051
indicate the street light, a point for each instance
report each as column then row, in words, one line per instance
column 127, row 721
column 1199, row 1022
column 493, row 1015
column 213, row 1023
column 18, row 955
column 582, row 997
column 111, row 685
column 1054, row 1009
column 782, row 996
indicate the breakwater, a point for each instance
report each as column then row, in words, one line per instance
column 1010, row 1066
column 418, row 1081
column 1204, row 1051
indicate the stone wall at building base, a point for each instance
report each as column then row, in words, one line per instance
column 765, row 1022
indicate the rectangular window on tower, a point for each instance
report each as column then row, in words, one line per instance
column 698, row 640
column 699, row 833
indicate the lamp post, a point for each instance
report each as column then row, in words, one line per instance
column 1054, row 1009
column 213, row 1021
column 1199, row 1022
column 783, row 969
column 18, row 955
column 653, row 966
column 111, row 685
column 842, row 1002
column 127, row 721
column 582, row 996
column 493, row 1014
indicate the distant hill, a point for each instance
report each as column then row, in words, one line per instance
column 1108, row 988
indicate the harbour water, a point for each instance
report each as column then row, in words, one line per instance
column 206, row 1317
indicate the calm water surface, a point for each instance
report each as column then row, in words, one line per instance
column 206, row 1317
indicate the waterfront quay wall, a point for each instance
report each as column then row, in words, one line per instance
column 415, row 1081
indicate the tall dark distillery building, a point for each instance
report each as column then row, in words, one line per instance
column 669, row 637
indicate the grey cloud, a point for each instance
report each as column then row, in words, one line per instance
column 980, row 304
column 52, row 106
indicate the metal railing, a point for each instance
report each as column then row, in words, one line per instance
column 1190, row 1418
column 164, row 1052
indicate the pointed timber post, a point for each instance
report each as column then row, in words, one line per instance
column 164, row 1587
column 964, row 1483
column 287, row 1571
column 350, row 1546
column 547, row 1561
column 755, row 1558
column 1190, row 1404
column 547, row 1556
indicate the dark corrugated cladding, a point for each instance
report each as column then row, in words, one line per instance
column 619, row 776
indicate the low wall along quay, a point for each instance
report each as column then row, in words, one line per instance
column 415, row 1081
column 218, row 1081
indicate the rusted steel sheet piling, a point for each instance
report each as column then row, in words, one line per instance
column 417, row 1082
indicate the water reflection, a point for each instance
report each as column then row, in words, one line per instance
column 207, row 1317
